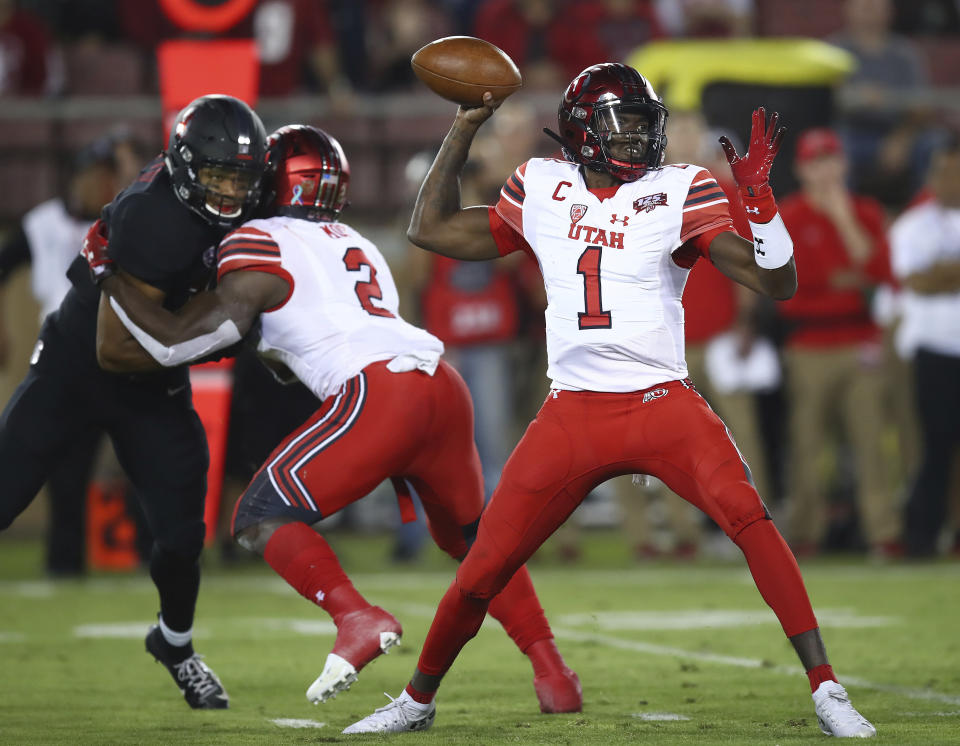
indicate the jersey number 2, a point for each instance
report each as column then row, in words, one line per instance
column 589, row 266
column 354, row 260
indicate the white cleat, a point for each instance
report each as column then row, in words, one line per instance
column 837, row 716
column 339, row 674
column 402, row 715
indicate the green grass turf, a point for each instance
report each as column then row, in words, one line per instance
column 899, row 653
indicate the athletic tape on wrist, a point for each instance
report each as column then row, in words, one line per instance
column 772, row 245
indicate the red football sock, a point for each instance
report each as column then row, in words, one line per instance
column 423, row 698
column 518, row 609
column 819, row 674
column 777, row 576
column 303, row 558
column 457, row 620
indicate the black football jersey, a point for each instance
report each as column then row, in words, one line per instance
column 153, row 237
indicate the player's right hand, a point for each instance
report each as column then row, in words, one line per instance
column 477, row 115
column 95, row 252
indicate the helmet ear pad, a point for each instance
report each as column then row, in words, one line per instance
column 216, row 131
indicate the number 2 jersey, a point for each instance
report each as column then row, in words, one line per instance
column 614, row 264
column 341, row 313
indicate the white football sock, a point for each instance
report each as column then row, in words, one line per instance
column 177, row 639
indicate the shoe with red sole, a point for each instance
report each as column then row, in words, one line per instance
column 361, row 636
column 559, row 692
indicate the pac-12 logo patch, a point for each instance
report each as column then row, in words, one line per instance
column 654, row 394
column 646, row 204
column 577, row 212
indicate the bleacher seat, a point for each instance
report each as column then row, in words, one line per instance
column 26, row 182
column 814, row 18
column 103, row 70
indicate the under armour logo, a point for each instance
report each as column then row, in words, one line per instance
column 320, row 596
column 757, row 243
column 614, row 219
column 752, row 210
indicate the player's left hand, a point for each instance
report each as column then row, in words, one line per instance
column 95, row 252
column 751, row 171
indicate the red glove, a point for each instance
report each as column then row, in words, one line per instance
column 752, row 170
column 95, row 252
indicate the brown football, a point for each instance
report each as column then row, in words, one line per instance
column 461, row 68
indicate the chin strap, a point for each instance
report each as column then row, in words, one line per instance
column 555, row 136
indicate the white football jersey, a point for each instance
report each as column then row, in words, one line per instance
column 342, row 310
column 613, row 268
column 55, row 239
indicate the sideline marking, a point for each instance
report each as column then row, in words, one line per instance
column 657, row 716
column 729, row 660
column 123, row 631
column 609, row 621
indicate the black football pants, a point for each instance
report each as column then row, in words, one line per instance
column 67, row 399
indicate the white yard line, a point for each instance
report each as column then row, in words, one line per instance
column 297, row 723
column 728, row 660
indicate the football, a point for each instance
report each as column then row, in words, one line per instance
column 461, row 68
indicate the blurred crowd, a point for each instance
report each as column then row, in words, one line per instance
column 845, row 400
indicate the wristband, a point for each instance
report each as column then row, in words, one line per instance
column 758, row 202
column 772, row 245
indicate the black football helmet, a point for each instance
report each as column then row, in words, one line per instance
column 308, row 173
column 224, row 135
column 603, row 102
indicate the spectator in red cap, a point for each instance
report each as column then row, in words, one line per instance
column 834, row 355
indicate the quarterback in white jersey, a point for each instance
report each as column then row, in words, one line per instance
column 630, row 251
column 388, row 406
column 615, row 233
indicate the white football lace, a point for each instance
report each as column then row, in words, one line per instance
column 391, row 713
column 195, row 674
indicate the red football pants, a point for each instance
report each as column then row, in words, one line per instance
column 380, row 425
column 577, row 441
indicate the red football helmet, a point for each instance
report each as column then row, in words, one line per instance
column 309, row 173
column 603, row 103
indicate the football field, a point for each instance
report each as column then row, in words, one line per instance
column 667, row 653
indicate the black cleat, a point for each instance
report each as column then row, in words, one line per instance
column 199, row 685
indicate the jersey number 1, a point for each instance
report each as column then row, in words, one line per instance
column 589, row 266
column 354, row 260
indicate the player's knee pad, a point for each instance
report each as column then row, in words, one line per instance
column 184, row 540
column 484, row 573
column 258, row 503
column 740, row 506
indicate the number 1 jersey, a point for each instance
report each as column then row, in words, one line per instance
column 614, row 264
column 341, row 313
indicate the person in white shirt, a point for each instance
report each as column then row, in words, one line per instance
column 326, row 310
column 615, row 233
column 925, row 255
